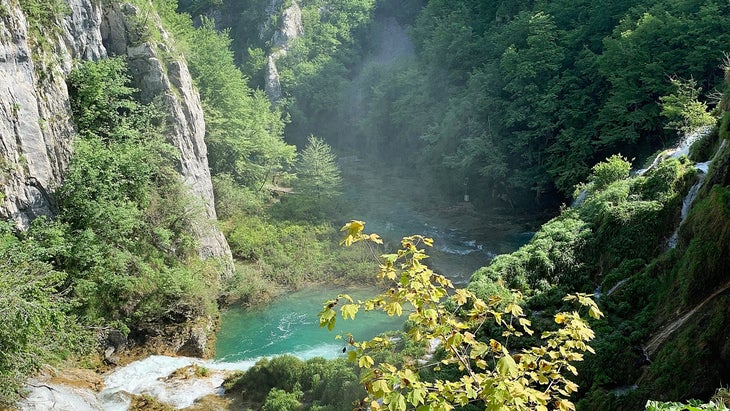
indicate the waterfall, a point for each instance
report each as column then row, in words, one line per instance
column 682, row 149
column 580, row 198
column 617, row 286
column 686, row 205
column 172, row 380
column 702, row 168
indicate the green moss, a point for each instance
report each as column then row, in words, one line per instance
column 705, row 148
column 44, row 21
column 706, row 261
column 724, row 129
column 691, row 355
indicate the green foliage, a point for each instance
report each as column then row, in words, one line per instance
column 243, row 132
column 289, row 383
column 44, row 21
column 37, row 325
column 692, row 405
column 244, row 135
column 280, row 400
column 317, row 172
column 198, row 6
column 492, row 375
column 291, row 255
column 231, row 199
column 707, row 253
column 103, row 102
column 562, row 86
column 609, row 239
column 131, row 256
column 317, row 186
column 615, row 168
column 553, row 257
column 683, row 109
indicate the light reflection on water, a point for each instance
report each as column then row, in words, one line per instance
column 290, row 325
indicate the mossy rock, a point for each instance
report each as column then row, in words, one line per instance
column 705, row 263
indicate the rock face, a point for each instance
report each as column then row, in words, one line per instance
column 291, row 28
column 35, row 117
column 35, row 127
column 169, row 79
column 273, row 85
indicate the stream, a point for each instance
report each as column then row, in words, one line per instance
column 290, row 324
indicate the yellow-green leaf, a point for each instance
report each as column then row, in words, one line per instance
column 349, row 311
column 506, row 366
column 365, row 361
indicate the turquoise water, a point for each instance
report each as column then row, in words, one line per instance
column 290, row 325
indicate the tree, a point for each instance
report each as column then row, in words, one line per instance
column 492, row 375
column 280, row 400
column 682, row 107
column 37, row 327
column 317, row 172
column 243, row 133
column 615, row 168
column 317, row 184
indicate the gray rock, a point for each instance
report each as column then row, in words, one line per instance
column 171, row 82
column 273, row 85
column 35, row 127
column 291, row 27
column 35, row 116
column 45, row 396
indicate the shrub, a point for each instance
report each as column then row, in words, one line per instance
column 613, row 169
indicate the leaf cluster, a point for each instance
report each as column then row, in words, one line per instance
column 492, row 374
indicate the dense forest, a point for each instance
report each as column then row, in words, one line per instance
column 523, row 105
column 521, row 98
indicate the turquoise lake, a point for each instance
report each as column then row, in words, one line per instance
column 290, row 325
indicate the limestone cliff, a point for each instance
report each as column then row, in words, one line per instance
column 35, row 119
column 35, row 126
column 167, row 77
column 290, row 28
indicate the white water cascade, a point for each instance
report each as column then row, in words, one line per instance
column 702, row 168
column 682, row 149
column 172, row 380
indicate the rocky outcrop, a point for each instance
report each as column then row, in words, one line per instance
column 35, row 116
column 291, row 28
column 168, row 79
column 273, row 85
column 81, row 34
column 35, row 127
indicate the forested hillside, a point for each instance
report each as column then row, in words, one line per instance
column 163, row 159
column 521, row 98
column 521, row 101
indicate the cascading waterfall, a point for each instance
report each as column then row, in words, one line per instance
column 702, row 168
column 686, row 205
column 682, row 149
column 580, row 198
column 162, row 377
